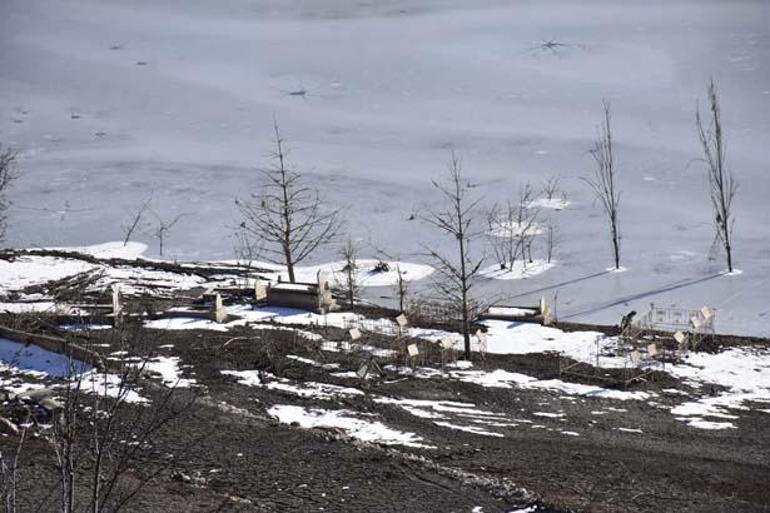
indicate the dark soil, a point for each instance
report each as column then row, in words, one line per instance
column 230, row 455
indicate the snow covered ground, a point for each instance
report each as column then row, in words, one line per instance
column 110, row 101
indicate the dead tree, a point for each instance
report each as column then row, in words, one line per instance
column 351, row 271
column 163, row 228
column 526, row 223
column 551, row 187
column 9, row 471
column 503, row 234
column 551, row 239
column 136, row 219
column 603, row 181
column 402, row 289
column 98, row 436
column 457, row 275
column 289, row 217
column 7, row 175
column 722, row 184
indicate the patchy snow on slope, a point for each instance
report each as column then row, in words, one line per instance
column 453, row 415
column 364, row 430
column 38, row 361
column 744, row 372
column 109, row 385
column 520, row 270
column 167, row 367
column 27, row 270
column 309, row 389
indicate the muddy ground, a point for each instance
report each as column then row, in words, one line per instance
column 555, row 453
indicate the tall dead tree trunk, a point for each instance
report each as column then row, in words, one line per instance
column 722, row 184
column 287, row 216
column 7, row 175
column 603, row 182
column 456, row 276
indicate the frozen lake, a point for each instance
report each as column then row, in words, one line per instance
column 112, row 100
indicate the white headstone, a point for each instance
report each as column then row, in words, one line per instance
column 355, row 334
column 680, row 337
column 260, row 291
column 652, row 350
column 696, row 323
column 545, row 311
column 218, row 311
column 412, row 350
column 363, row 370
column 402, row 321
column 707, row 312
column 635, row 357
column 117, row 309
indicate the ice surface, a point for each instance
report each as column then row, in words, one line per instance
column 388, row 89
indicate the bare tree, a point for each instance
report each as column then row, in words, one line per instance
column 526, row 222
column 513, row 228
column 551, row 238
column 163, row 228
column 551, row 187
column 457, row 275
column 289, row 217
column 603, row 182
column 136, row 219
column 98, row 437
column 722, row 184
column 10, row 474
column 350, row 270
column 402, row 288
column 7, row 175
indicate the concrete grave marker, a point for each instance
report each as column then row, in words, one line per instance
column 707, row 312
column 218, row 311
column 696, row 323
column 402, row 321
column 363, row 370
column 635, row 357
column 652, row 350
column 117, row 309
column 355, row 334
column 260, row 291
column 412, row 350
column 545, row 311
column 680, row 337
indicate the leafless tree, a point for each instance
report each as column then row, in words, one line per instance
column 457, row 275
column 503, row 235
column 722, row 184
column 551, row 187
column 513, row 228
column 603, row 181
column 551, row 238
column 9, row 475
column 288, row 216
column 350, row 270
column 136, row 218
column 163, row 228
column 402, row 288
column 98, row 438
column 526, row 221
column 7, row 175
column 247, row 251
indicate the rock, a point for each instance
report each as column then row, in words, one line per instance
column 8, row 427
